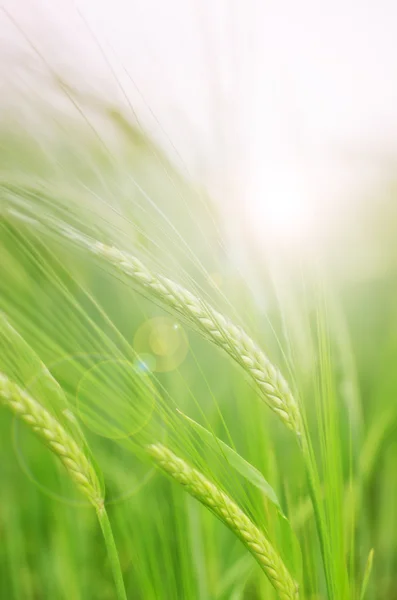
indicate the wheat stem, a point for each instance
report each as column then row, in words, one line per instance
column 231, row 515
column 112, row 552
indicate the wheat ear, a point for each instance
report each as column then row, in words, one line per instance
column 72, row 457
column 55, row 436
column 234, row 518
column 213, row 325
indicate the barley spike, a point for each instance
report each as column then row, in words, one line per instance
column 206, row 492
column 221, row 331
column 55, row 437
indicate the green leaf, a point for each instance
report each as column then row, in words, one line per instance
column 236, row 461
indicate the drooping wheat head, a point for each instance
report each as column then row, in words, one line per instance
column 213, row 325
column 55, row 436
column 197, row 485
column 271, row 384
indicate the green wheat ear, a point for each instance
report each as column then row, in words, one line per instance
column 213, row 325
column 61, row 443
column 231, row 515
column 54, row 436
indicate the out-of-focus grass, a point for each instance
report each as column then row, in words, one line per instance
column 335, row 340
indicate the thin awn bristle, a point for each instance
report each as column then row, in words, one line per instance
column 273, row 388
column 213, row 325
column 234, row 518
column 55, row 436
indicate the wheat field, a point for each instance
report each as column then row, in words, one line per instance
column 187, row 411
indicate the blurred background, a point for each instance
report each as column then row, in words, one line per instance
column 285, row 111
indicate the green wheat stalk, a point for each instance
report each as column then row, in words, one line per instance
column 61, row 443
column 272, row 386
column 231, row 515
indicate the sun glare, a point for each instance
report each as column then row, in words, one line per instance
column 280, row 210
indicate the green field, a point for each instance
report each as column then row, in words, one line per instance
column 134, row 324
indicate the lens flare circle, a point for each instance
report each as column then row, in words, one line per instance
column 161, row 343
